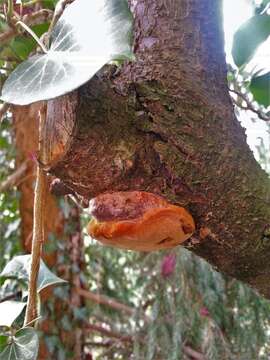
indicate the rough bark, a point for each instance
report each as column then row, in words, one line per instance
column 165, row 124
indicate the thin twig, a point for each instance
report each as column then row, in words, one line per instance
column 193, row 353
column 129, row 339
column 104, row 300
column 10, row 297
column 3, row 109
column 10, row 11
column 34, row 36
column 112, row 303
column 108, row 343
column 59, row 9
column 14, row 178
column 38, row 232
column 32, row 321
column 37, row 240
column 35, row 18
column 7, row 35
column 249, row 105
column 112, row 334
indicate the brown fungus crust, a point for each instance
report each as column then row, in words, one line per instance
column 138, row 221
column 124, row 205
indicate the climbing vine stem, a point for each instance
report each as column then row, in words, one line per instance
column 38, row 230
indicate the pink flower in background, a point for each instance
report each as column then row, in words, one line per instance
column 204, row 311
column 168, row 265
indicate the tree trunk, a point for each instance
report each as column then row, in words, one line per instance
column 166, row 124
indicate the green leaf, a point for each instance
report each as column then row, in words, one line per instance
column 76, row 52
column 19, row 268
column 23, row 346
column 9, row 311
column 3, row 342
column 260, row 8
column 49, row 4
column 248, row 38
column 3, row 25
column 22, row 46
column 260, row 88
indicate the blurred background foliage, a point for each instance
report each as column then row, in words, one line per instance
column 163, row 305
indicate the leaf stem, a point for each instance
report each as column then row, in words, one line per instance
column 59, row 9
column 9, row 11
column 38, row 232
column 32, row 322
column 34, row 36
column 249, row 105
column 37, row 17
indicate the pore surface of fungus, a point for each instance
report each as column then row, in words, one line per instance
column 138, row 220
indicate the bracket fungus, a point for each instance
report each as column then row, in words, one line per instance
column 138, row 220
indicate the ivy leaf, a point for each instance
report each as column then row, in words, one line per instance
column 20, row 47
column 19, row 268
column 9, row 311
column 23, row 346
column 49, row 4
column 3, row 341
column 248, row 38
column 3, row 24
column 88, row 35
column 260, row 88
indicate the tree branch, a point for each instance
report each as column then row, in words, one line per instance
column 59, row 9
column 38, row 232
column 249, row 105
column 127, row 338
column 193, row 353
column 104, row 300
column 112, row 334
column 37, row 17
column 3, row 109
column 99, row 343
column 10, row 297
column 183, row 142
column 14, row 178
